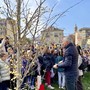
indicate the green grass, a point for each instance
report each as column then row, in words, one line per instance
column 85, row 80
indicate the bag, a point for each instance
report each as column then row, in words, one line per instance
column 52, row 73
column 42, row 87
column 84, row 63
column 38, row 82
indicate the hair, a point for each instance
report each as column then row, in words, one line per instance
column 69, row 39
column 7, row 37
column 61, row 52
column 10, row 47
column 2, row 54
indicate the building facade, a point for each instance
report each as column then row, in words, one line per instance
column 82, row 37
column 85, row 35
column 8, row 28
column 2, row 28
column 52, row 35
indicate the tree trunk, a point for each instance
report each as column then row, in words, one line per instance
column 18, row 42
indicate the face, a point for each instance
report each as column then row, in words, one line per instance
column 64, row 43
column 51, row 50
column 7, row 40
column 29, row 53
column 10, row 50
column 4, row 57
column 25, row 55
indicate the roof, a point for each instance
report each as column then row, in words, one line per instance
column 4, row 19
column 51, row 28
column 85, row 28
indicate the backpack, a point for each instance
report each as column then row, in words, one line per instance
column 84, row 63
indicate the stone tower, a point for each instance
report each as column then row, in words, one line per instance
column 75, row 28
column 76, row 34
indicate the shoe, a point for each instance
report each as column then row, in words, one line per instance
column 32, row 87
column 50, row 87
column 59, row 87
column 62, row 87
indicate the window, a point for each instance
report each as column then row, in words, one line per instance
column 60, row 34
column 88, row 34
column 55, row 35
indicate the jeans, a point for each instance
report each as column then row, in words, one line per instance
column 31, row 80
column 71, row 82
column 61, row 79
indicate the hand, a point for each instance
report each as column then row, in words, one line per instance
column 60, row 61
column 55, row 66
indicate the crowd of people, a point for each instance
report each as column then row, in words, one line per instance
column 50, row 62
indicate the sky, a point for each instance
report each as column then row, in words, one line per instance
column 79, row 15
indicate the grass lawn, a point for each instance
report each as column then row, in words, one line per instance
column 85, row 80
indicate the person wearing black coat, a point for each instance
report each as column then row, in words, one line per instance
column 48, row 65
column 70, row 63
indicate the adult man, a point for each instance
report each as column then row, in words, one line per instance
column 70, row 63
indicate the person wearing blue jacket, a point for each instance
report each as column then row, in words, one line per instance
column 70, row 63
column 61, row 75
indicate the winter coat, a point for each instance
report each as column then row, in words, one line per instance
column 24, row 64
column 4, row 71
column 48, row 61
column 57, row 60
column 70, row 62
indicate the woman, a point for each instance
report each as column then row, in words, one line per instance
column 48, row 63
column 4, row 72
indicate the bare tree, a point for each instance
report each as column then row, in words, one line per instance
column 29, row 22
column 34, row 22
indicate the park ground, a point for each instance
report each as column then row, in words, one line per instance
column 85, row 80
